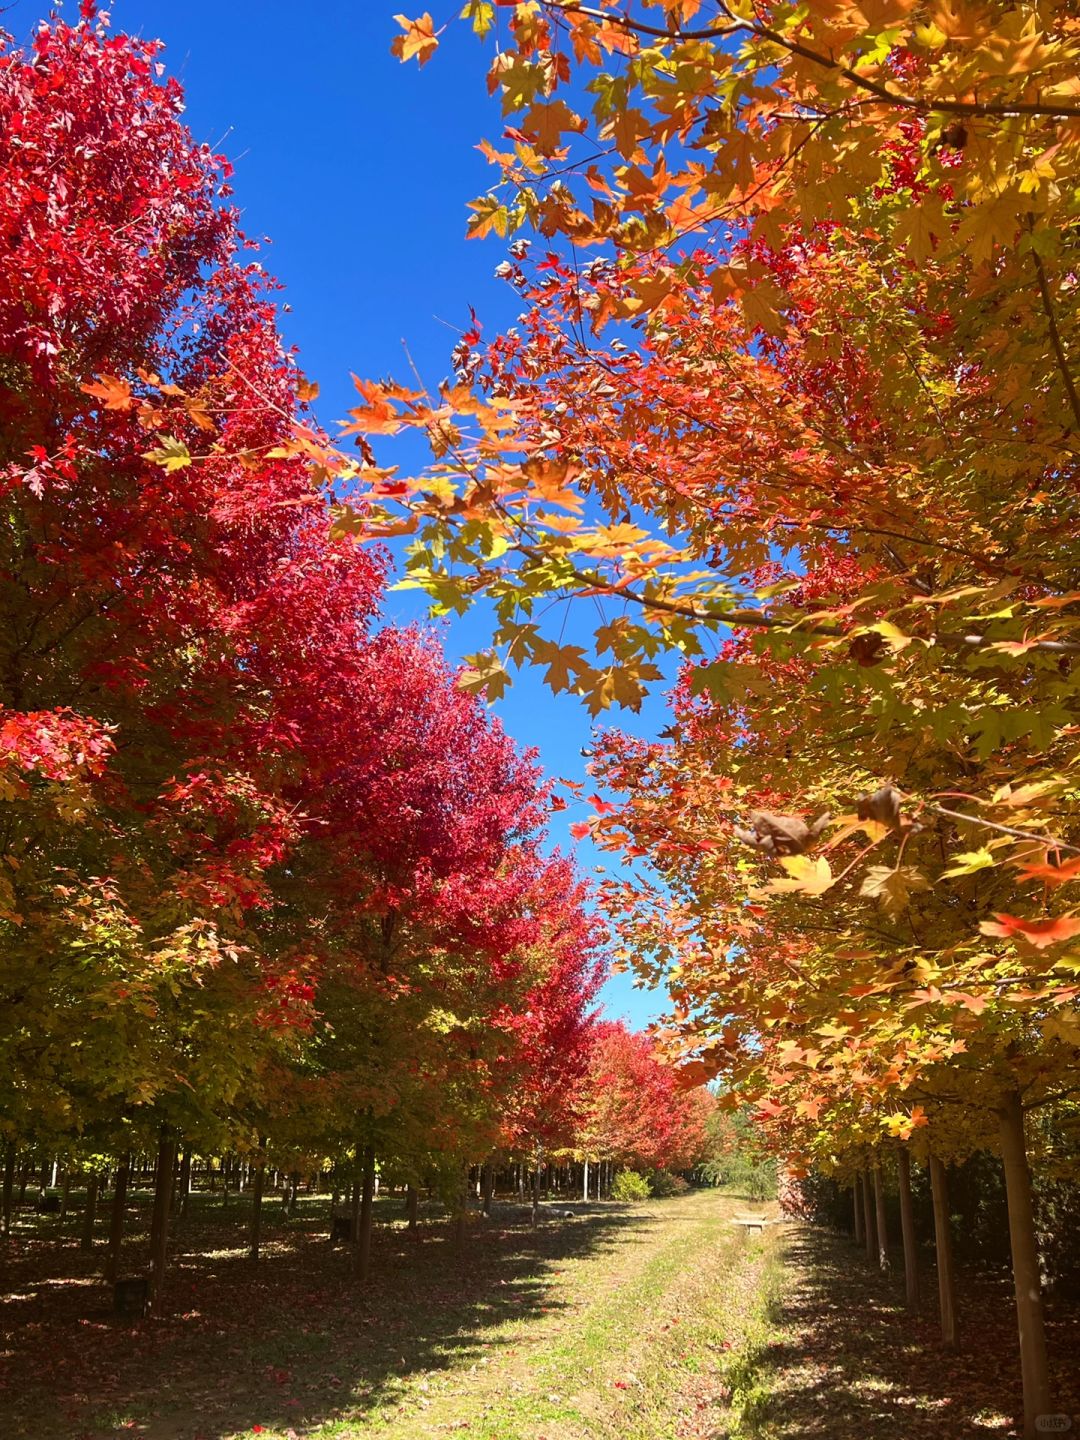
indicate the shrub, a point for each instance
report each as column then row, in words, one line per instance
column 630, row 1187
column 663, row 1184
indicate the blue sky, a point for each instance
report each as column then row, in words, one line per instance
column 359, row 169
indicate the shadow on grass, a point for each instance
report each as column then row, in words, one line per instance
column 839, row 1356
column 290, row 1343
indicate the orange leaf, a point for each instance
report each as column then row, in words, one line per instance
column 1051, row 874
column 1040, row 933
column 419, row 39
column 116, row 393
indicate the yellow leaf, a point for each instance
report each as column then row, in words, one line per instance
column 806, row 876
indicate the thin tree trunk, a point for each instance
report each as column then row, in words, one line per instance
column 869, row 1235
column 367, row 1198
column 155, row 1210
column 116, row 1218
column 256, row 1202
column 857, row 1204
column 461, row 1217
column 159, row 1245
column 1025, row 1263
column 9, row 1183
column 943, row 1250
column 907, row 1229
column 882, row 1231
column 585, row 1182
column 86, row 1241
column 487, row 1186
column 66, row 1195
column 185, row 1181
column 536, row 1193
column 354, row 1227
column 412, row 1200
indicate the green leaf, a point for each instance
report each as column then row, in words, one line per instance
column 482, row 15
column 171, row 454
column 970, row 861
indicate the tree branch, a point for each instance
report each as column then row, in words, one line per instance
column 1048, row 840
column 1055, row 333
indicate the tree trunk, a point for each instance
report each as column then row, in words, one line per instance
column 412, row 1199
column 255, row 1234
column 159, row 1229
column 9, row 1183
column 185, row 1181
column 856, row 1200
column 907, row 1229
column 585, row 1182
column 487, row 1186
column 882, row 1231
column 536, row 1193
column 354, row 1227
column 943, row 1250
column 66, row 1196
column 869, row 1234
column 462, row 1215
column 367, row 1199
column 116, row 1218
column 86, row 1241
column 1025, row 1263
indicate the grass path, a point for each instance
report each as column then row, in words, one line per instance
column 635, row 1346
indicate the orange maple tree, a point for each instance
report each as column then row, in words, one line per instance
column 792, row 397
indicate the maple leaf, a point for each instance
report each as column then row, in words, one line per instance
column 545, row 121
column 566, row 664
column 171, row 454
column 115, row 393
column 806, row 876
column 418, row 40
column 1039, row 933
column 1047, row 872
column 971, row 861
column 1063, row 1027
column 482, row 15
column 893, row 887
column 486, row 675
